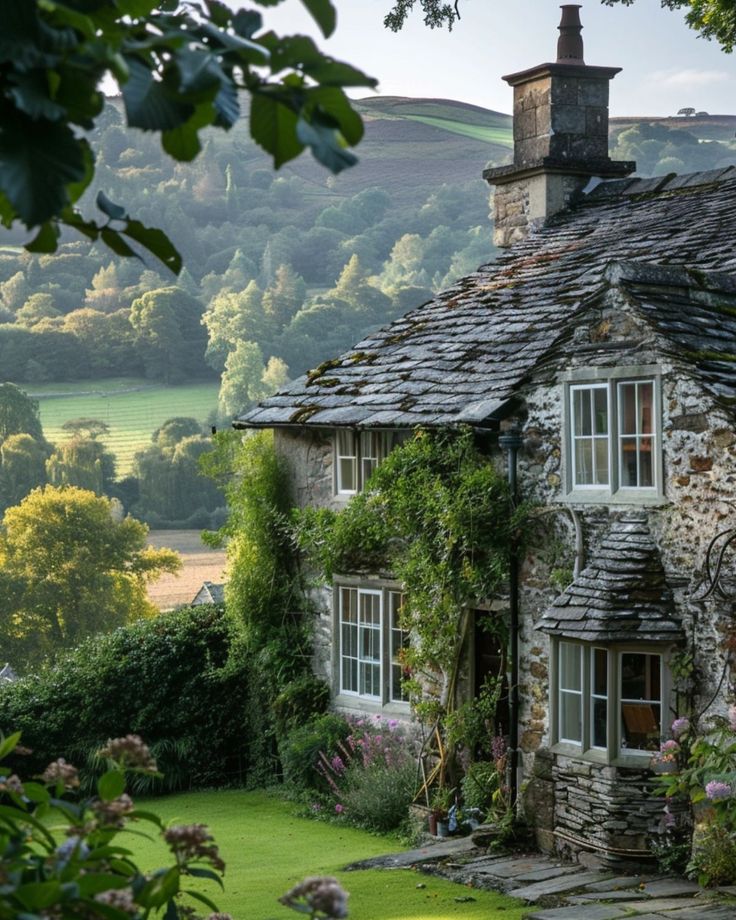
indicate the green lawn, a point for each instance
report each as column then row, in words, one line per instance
column 132, row 407
column 268, row 849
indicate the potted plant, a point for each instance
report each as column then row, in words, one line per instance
column 438, row 813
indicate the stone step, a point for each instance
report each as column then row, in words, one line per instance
column 567, row 882
column 511, row 868
column 670, row 888
column 621, row 883
column 585, row 912
column 708, row 911
column 666, row 905
column 596, row 896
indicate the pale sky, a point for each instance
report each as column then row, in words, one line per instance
column 665, row 65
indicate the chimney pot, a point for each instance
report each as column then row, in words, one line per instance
column 570, row 42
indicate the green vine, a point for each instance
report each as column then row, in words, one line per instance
column 439, row 517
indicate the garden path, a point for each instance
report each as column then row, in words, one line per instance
column 561, row 891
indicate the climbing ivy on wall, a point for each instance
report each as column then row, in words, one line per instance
column 437, row 515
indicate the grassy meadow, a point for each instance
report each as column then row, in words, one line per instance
column 132, row 407
column 268, row 849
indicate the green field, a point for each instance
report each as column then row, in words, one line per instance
column 132, row 407
column 488, row 134
column 268, row 850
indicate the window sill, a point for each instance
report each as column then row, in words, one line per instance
column 365, row 706
column 631, row 761
column 594, row 497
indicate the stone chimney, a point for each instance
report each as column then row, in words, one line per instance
column 560, row 137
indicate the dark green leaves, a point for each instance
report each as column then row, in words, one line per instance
column 180, row 69
column 38, row 159
column 111, row 785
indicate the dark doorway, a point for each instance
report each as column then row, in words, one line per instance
column 489, row 642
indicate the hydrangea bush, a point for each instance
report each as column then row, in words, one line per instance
column 698, row 768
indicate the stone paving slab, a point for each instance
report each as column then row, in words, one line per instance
column 709, row 911
column 541, row 875
column 620, row 882
column 665, row 905
column 558, row 885
column 586, row 912
column 670, row 888
column 511, row 868
column 453, row 846
column 603, row 896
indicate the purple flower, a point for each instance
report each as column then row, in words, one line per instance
column 338, row 764
column 680, row 727
column 717, row 791
column 393, row 723
column 498, row 747
column 670, row 747
column 339, row 809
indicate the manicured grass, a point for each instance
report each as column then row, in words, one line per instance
column 268, row 849
column 132, row 407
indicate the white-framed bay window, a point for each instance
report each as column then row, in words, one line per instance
column 613, row 434
column 358, row 453
column 608, row 703
column 369, row 664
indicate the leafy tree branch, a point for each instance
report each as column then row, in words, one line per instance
column 180, row 69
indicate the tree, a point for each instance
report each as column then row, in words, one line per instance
column 22, row 467
column 714, row 19
column 179, row 69
column 284, row 297
column 83, row 461
column 170, row 334
column 233, row 317
column 77, row 568
column 18, row 413
column 242, row 379
column 687, row 111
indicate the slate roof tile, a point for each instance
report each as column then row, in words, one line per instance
column 601, row 605
column 482, row 337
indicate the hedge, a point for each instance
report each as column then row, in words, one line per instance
column 171, row 680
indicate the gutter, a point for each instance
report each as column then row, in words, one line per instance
column 511, row 442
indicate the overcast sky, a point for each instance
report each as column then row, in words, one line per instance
column 665, row 65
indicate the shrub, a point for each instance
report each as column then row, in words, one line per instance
column 171, row 678
column 379, row 796
column 714, row 855
column 300, row 751
column 373, row 773
column 300, row 700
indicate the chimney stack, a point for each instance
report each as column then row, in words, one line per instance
column 560, row 137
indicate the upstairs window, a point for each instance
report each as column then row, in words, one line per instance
column 613, row 439
column 358, row 453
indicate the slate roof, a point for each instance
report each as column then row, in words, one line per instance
column 620, row 595
column 209, row 593
column 458, row 358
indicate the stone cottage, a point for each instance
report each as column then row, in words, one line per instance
column 606, row 336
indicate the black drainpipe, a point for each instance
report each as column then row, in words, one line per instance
column 511, row 442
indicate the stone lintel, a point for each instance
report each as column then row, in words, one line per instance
column 569, row 71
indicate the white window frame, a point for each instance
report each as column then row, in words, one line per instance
column 389, row 594
column 613, row 493
column 592, row 437
column 366, row 449
column 614, row 752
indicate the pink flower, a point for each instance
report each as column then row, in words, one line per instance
column 680, row 727
column 338, row 764
column 717, row 791
column 393, row 723
column 339, row 809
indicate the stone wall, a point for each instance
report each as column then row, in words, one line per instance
column 699, row 472
column 522, row 204
column 603, row 815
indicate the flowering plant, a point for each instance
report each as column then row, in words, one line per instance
column 706, row 779
column 320, row 897
column 90, row 874
column 371, row 774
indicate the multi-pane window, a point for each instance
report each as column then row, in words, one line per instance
column 571, row 692
column 608, row 699
column 636, row 434
column 357, row 454
column 590, row 438
column 612, row 436
column 371, row 639
column 641, row 701
column 399, row 641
